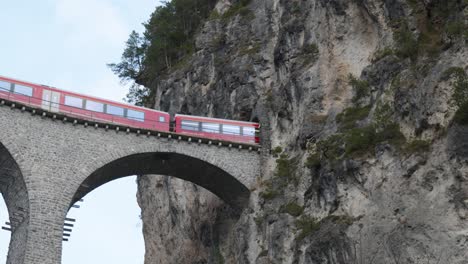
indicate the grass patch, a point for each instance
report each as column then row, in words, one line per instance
column 417, row 146
column 292, row 209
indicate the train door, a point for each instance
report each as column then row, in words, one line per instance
column 50, row 100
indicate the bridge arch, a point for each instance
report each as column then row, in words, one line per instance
column 200, row 172
column 14, row 192
column 182, row 166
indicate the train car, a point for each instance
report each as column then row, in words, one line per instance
column 82, row 106
column 218, row 129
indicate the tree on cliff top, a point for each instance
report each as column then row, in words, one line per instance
column 168, row 38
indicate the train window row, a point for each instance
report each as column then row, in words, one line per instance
column 217, row 128
column 105, row 108
column 16, row 88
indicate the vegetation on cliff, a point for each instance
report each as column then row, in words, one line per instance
column 168, row 39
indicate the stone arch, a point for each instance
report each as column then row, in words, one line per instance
column 182, row 166
column 15, row 194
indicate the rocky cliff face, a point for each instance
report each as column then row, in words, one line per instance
column 362, row 106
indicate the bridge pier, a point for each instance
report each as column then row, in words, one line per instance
column 45, row 229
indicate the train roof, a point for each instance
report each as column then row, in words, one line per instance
column 91, row 96
column 217, row 119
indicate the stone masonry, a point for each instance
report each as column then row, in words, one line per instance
column 46, row 164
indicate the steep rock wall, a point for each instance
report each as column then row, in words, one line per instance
column 385, row 181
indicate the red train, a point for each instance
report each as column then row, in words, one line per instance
column 106, row 111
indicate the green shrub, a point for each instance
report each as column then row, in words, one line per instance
column 259, row 220
column 360, row 140
column 361, row 88
column 340, row 219
column 269, row 194
column 218, row 257
column 455, row 29
column 331, row 147
column 285, row 167
column 461, row 116
column 382, row 113
column 460, row 94
column 313, row 161
column 407, row 45
column 292, row 208
column 306, row 225
column 348, row 118
column 250, row 49
column 311, row 49
column 380, row 54
column 214, row 15
column 238, row 9
column 310, row 53
column 276, row 151
column 391, row 134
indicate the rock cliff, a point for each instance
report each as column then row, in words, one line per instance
column 364, row 106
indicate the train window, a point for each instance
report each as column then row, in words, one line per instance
column 115, row 110
column 94, row 106
column 231, row 130
column 210, row 127
column 73, row 101
column 248, row 131
column 162, row 119
column 136, row 115
column 189, row 125
column 24, row 90
column 5, row 86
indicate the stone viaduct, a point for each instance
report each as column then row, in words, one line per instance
column 49, row 161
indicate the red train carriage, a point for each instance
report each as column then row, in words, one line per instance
column 215, row 128
column 82, row 106
column 101, row 110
